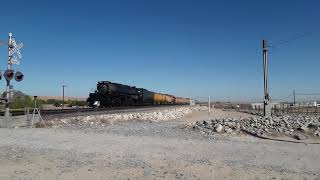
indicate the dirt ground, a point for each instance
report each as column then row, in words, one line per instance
column 144, row 150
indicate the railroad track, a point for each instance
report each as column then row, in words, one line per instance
column 89, row 111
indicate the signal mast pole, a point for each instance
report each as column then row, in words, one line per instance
column 13, row 58
column 8, row 89
column 267, row 98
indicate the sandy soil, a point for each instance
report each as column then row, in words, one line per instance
column 143, row 150
column 214, row 113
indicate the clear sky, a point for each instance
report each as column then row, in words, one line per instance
column 190, row 48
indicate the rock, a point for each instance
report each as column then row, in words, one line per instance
column 205, row 123
column 300, row 137
column 74, row 121
column 314, row 125
column 219, row 128
column 228, row 130
column 190, row 124
column 238, row 127
column 289, row 124
column 304, row 128
column 232, row 125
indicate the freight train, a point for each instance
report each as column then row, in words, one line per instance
column 109, row 94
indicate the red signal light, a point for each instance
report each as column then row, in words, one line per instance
column 8, row 74
column 18, row 76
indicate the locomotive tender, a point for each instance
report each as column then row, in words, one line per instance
column 110, row 94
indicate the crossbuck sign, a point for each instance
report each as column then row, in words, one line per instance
column 15, row 52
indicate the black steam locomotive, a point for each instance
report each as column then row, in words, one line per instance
column 110, row 94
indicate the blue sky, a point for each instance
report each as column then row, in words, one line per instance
column 184, row 47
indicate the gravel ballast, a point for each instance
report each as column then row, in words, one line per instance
column 156, row 115
column 297, row 126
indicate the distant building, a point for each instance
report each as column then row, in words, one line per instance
column 287, row 104
column 309, row 104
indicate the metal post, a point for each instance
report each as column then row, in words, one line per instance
column 63, row 86
column 35, row 101
column 294, row 98
column 209, row 104
column 8, row 93
column 267, row 107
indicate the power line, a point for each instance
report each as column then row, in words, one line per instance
column 3, row 42
column 294, row 38
column 280, row 99
column 308, row 94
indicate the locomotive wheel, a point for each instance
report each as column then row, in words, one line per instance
column 130, row 102
column 116, row 102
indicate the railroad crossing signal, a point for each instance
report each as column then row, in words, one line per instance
column 14, row 56
column 8, row 74
column 16, row 48
column 14, row 52
column 18, row 76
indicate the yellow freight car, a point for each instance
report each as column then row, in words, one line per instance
column 158, row 98
column 163, row 98
column 169, row 99
column 179, row 100
column 186, row 101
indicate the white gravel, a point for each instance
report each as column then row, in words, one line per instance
column 150, row 116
